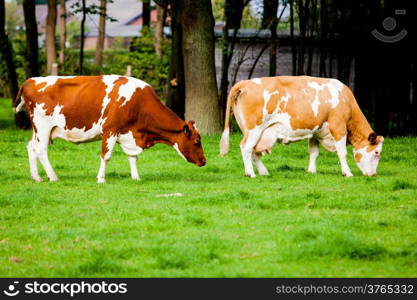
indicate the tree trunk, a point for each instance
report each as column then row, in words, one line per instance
column 201, row 98
column 270, row 21
column 146, row 13
column 62, row 31
column 101, row 32
column 176, row 85
column 6, row 55
column 50, row 35
column 233, row 10
column 293, row 48
column 32, row 68
column 84, row 13
column 159, row 29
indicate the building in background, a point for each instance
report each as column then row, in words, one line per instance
column 128, row 14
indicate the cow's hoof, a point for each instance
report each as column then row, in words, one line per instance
column 52, row 179
column 250, row 175
column 101, row 180
column 264, row 173
column 137, row 178
column 312, row 171
column 37, row 178
column 347, row 174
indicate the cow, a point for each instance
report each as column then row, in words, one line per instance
column 115, row 109
column 287, row 109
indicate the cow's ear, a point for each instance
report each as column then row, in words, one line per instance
column 186, row 130
column 372, row 138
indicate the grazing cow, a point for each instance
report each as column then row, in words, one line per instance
column 115, row 109
column 291, row 108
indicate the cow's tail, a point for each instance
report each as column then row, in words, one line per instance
column 17, row 107
column 224, row 141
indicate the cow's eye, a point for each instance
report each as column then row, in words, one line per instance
column 197, row 142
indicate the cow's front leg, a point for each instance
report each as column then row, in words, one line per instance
column 133, row 167
column 129, row 146
column 107, row 146
column 247, row 146
column 342, row 153
column 313, row 150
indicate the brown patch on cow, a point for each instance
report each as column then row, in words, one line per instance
column 80, row 99
column 358, row 157
column 272, row 103
column 114, row 93
column 40, row 86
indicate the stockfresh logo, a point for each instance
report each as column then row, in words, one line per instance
column 12, row 290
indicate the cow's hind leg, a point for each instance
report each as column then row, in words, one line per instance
column 250, row 139
column 33, row 160
column 313, row 150
column 107, row 145
column 263, row 171
column 41, row 142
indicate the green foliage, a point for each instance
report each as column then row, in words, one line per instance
column 289, row 224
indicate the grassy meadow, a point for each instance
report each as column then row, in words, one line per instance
column 219, row 223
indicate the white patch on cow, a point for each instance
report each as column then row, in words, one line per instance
column 316, row 102
column 256, row 80
column 50, row 80
column 128, row 144
column 43, row 121
column 195, row 127
column 175, row 146
column 128, row 89
column 109, row 81
column 334, row 86
column 267, row 97
column 285, row 99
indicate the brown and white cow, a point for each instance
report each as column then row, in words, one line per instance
column 292, row 108
column 115, row 109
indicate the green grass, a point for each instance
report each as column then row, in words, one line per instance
column 288, row 224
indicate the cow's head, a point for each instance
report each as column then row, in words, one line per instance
column 367, row 157
column 188, row 145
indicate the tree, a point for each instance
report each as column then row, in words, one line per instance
column 201, row 98
column 146, row 13
column 32, row 68
column 101, row 32
column 92, row 9
column 159, row 29
column 176, row 85
column 233, row 11
column 62, row 31
column 50, row 35
column 6, row 55
column 270, row 21
column 82, row 26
